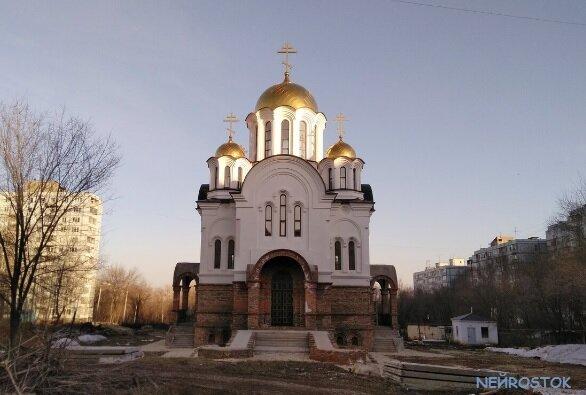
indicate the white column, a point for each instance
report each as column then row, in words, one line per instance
column 260, row 141
column 277, row 136
column 295, row 137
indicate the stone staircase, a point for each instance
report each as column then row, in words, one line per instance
column 387, row 340
column 183, row 336
column 277, row 341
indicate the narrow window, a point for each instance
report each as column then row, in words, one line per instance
column 227, row 177
column 297, row 221
column 354, row 179
column 342, row 178
column 283, row 216
column 213, row 177
column 351, row 256
column 239, row 177
column 302, row 139
column 231, row 254
column 268, row 220
column 268, row 135
column 338, row 255
column 330, row 178
column 484, row 332
column 217, row 253
column 285, row 137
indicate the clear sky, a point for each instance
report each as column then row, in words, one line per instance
column 470, row 125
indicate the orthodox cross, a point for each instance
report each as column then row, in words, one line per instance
column 340, row 118
column 286, row 49
column 230, row 119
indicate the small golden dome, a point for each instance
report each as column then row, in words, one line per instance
column 286, row 94
column 341, row 149
column 230, row 149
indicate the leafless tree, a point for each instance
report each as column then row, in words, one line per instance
column 47, row 163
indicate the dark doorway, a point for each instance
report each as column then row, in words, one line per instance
column 282, row 299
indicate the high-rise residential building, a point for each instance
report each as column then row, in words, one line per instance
column 508, row 250
column 67, row 272
column 442, row 274
column 563, row 235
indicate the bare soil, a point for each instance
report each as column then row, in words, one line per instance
column 153, row 375
column 482, row 359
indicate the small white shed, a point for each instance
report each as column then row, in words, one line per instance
column 473, row 329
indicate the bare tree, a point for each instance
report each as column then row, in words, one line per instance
column 47, row 163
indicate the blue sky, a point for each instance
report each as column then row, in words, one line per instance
column 470, row 125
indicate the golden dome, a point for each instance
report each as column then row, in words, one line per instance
column 230, row 149
column 341, row 149
column 286, row 94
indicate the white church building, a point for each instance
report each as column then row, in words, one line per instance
column 285, row 232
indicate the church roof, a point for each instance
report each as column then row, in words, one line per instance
column 367, row 191
column 230, row 148
column 341, row 149
column 288, row 94
column 203, row 192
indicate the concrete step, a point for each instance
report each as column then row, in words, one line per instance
column 272, row 349
column 267, row 341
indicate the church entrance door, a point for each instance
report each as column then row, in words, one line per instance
column 282, row 299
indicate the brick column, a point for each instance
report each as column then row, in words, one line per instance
column 310, row 305
column 394, row 321
column 239, row 314
column 253, row 304
column 176, row 291
column 184, row 297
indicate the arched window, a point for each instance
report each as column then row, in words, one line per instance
column 268, row 136
column 217, row 253
column 285, row 137
column 342, row 178
column 239, row 177
column 213, row 177
column 302, row 139
column 338, row 255
column 354, row 179
column 253, row 148
column 283, row 216
column 231, row 254
column 330, row 178
column 227, row 177
column 297, row 221
column 268, row 220
column 351, row 256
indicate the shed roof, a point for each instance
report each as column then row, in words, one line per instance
column 471, row 317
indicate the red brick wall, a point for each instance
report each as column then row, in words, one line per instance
column 215, row 304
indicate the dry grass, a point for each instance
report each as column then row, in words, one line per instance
column 153, row 375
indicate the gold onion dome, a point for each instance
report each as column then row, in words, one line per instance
column 341, row 149
column 286, row 94
column 230, row 149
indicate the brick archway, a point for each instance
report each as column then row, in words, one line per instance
column 385, row 310
column 254, row 274
column 256, row 306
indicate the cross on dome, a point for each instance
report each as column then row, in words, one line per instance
column 341, row 118
column 287, row 49
column 230, row 119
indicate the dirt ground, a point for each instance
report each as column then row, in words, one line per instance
column 482, row 359
column 153, row 375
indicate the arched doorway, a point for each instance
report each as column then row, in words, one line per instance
column 384, row 294
column 282, row 299
column 185, row 283
column 294, row 300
